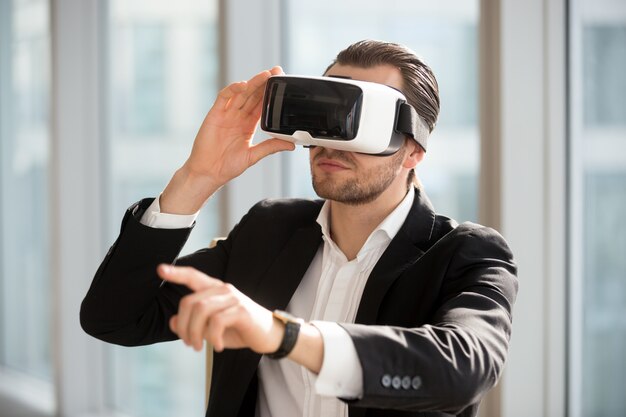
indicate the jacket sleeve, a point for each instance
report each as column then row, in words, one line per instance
column 451, row 362
column 127, row 303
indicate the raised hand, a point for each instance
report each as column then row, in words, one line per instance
column 223, row 147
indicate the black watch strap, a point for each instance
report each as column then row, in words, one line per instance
column 290, row 337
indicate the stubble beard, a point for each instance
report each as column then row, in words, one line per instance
column 369, row 185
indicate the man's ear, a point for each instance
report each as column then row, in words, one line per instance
column 414, row 154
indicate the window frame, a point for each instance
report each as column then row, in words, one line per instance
column 577, row 11
column 15, row 385
column 525, row 186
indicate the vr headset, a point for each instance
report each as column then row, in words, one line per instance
column 340, row 113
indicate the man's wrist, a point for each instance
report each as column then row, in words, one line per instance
column 290, row 329
column 187, row 192
column 309, row 349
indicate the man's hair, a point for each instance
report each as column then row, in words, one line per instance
column 419, row 84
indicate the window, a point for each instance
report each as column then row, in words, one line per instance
column 598, row 201
column 162, row 80
column 148, row 99
column 24, row 162
column 445, row 35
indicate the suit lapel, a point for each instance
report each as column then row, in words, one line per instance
column 398, row 256
column 409, row 244
column 277, row 286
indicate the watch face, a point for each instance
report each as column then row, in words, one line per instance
column 283, row 316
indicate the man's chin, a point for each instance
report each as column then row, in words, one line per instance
column 351, row 197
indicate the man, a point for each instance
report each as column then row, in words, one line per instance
column 400, row 312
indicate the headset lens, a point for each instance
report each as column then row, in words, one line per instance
column 325, row 109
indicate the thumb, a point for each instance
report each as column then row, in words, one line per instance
column 269, row 147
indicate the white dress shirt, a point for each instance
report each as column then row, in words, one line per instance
column 329, row 293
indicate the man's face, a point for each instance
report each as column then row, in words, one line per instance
column 354, row 178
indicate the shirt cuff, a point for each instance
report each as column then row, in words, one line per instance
column 153, row 217
column 341, row 374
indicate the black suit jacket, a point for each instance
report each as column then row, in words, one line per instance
column 436, row 309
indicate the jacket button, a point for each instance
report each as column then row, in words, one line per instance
column 386, row 381
column 406, row 382
column 416, row 382
column 396, row 382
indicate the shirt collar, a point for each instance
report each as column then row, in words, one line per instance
column 394, row 221
column 387, row 229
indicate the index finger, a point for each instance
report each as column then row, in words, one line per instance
column 188, row 276
column 257, row 83
column 254, row 89
column 259, row 80
column 277, row 70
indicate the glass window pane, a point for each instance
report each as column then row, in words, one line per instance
column 598, row 178
column 25, row 302
column 445, row 35
column 162, row 77
column 604, row 83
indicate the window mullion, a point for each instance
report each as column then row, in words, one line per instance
column 76, row 199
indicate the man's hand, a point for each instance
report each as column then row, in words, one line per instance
column 218, row 312
column 223, row 147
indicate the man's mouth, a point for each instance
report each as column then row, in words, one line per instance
column 331, row 165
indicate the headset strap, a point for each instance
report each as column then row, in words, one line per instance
column 410, row 123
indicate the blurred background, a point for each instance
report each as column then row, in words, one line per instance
column 100, row 101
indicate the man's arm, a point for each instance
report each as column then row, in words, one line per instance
column 454, row 360
column 126, row 294
column 127, row 303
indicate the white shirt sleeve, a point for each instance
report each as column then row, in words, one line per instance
column 153, row 217
column 341, row 374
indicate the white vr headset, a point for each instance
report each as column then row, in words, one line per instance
column 340, row 113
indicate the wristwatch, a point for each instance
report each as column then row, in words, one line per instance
column 292, row 329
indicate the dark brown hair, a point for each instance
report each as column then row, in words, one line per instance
column 419, row 83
